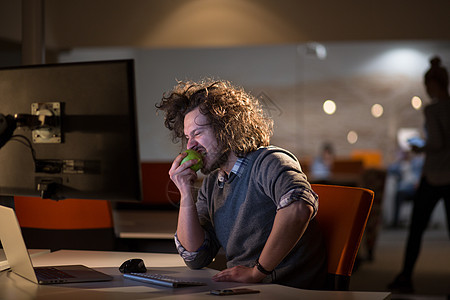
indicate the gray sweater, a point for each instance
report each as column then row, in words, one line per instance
column 239, row 214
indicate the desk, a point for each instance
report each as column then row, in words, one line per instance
column 145, row 224
column 15, row 287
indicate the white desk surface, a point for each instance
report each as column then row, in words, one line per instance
column 13, row 286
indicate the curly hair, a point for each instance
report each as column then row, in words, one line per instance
column 237, row 118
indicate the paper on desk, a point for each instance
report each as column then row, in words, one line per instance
column 3, row 262
column 4, row 265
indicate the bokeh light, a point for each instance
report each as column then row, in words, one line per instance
column 416, row 102
column 377, row 110
column 352, row 137
column 329, row 107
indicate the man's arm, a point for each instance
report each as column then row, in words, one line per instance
column 289, row 225
column 189, row 231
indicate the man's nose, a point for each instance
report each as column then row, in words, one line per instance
column 191, row 143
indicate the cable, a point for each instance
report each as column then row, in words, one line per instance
column 25, row 141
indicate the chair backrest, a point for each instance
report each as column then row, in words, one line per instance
column 342, row 216
column 68, row 224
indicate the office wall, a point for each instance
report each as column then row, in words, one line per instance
column 293, row 83
column 225, row 23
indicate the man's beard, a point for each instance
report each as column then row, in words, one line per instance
column 220, row 160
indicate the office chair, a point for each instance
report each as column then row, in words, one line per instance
column 342, row 216
column 76, row 224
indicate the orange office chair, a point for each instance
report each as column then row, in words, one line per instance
column 77, row 224
column 342, row 216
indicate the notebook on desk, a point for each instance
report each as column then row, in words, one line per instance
column 20, row 261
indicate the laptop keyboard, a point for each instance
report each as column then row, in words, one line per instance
column 51, row 273
column 161, row 280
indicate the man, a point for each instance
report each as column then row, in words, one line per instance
column 255, row 201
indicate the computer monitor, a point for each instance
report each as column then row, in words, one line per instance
column 69, row 131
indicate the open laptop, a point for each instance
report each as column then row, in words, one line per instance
column 20, row 261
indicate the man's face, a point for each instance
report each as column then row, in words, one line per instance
column 200, row 137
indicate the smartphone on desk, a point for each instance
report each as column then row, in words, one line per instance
column 228, row 292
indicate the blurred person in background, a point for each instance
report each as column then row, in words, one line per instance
column 322, row 164
column 435, row 180
column 407, row 171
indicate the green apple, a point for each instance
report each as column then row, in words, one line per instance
column 192, row 154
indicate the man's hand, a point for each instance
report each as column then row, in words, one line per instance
column 182, row 175
column 240, row 274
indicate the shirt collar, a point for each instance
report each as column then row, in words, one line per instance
column 237, row 170
column 239, row 166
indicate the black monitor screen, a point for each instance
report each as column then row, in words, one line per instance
column 69, row 131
